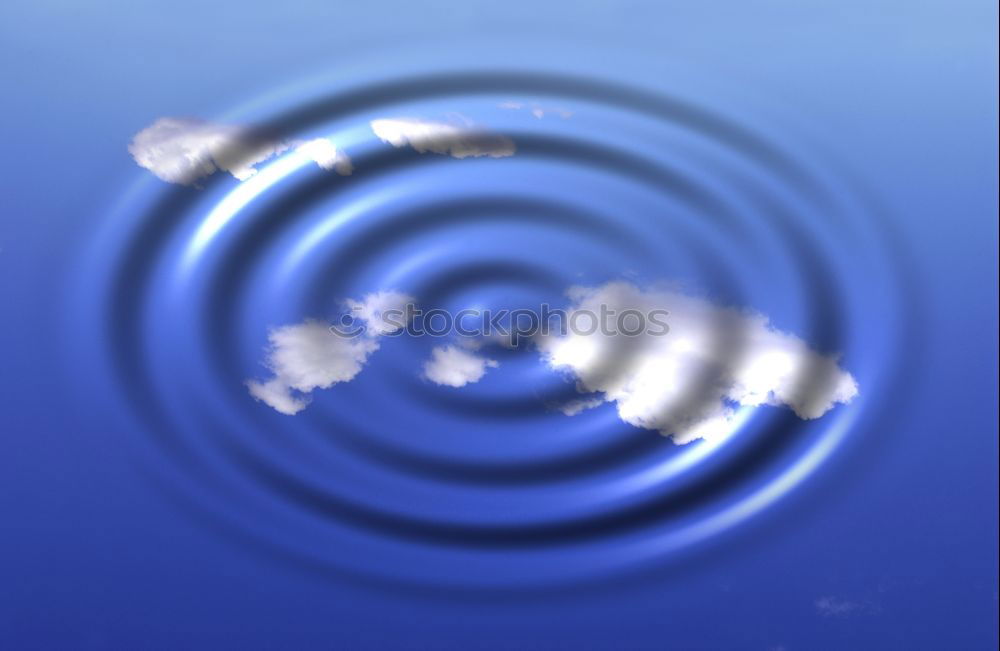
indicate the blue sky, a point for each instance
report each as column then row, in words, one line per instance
column 830, row 168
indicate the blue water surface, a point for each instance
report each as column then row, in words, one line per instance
column 832, row 167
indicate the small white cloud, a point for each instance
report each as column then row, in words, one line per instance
column 454, row 367
column 183, row 150
column 383, row 312
column 574, row 407
column 537, row 110
column 452, row 139
column 326, row 155
column 688, row 382
column 309, row 355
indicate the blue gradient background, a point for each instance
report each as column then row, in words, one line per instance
column 93, row 554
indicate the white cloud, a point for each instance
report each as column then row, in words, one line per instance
column 326, row 155
column 383, row 312
column 574, row 407
column 537, row 110
column 309, row 355
column 183, row 150
column 451, row 366
column 452, row 139
column 688, row 383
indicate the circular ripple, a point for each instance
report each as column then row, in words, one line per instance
column 483, row 486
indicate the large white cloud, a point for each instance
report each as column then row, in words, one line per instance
column 689, row 382
column 459, row 140
column 309, row 355
column 183, row 150
column 455, row 367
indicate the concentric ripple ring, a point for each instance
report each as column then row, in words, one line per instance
column 487, row 486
